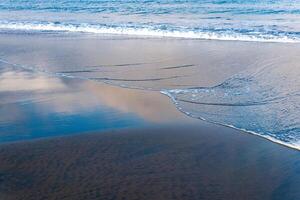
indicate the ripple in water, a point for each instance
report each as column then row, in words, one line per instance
column 264, row 102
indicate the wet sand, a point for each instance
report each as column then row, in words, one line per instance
column 151, row 63
column 71, row 138
column 37, row 105
column 168, row 162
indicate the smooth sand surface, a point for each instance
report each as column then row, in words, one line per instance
column 156, row 63
column 171, row 162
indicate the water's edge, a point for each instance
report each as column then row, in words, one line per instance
column 163, row 92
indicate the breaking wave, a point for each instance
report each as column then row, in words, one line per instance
column 154, row 31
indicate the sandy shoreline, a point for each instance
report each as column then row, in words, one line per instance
column 90, row 140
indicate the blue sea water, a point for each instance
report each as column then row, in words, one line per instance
column 246, row 20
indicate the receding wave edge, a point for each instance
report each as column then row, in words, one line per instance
column 290, row 145
column 172, row 98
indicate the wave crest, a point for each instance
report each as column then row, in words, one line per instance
column 231, row 35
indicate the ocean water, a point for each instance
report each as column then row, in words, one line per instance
column 262, row 97
column 246, row 20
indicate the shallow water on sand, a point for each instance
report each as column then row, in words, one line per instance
column 249, row 86
column 37, row 105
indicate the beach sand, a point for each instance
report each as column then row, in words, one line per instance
column 66, row 137
column 171, row 162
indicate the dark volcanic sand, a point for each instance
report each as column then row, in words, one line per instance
column 174, row 162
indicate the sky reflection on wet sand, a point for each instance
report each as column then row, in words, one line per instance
column 35, row 105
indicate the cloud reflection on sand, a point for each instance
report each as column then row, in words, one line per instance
column 34, row 102
column 149, row 105
column 12, row 81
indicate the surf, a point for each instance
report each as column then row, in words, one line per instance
column 151, row 31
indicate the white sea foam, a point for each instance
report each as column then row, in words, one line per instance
column 145, row 32
column 293, row 144
column 263, row 102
